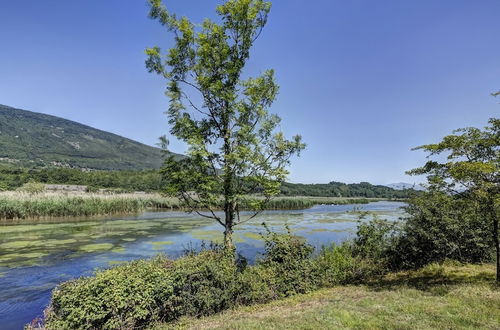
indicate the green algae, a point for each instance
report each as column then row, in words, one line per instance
column 96, row 247
column 208, row 235
column 252, row 235
column 119, row 249
column 158, row 245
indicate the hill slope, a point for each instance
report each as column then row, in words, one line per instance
column 35, row 139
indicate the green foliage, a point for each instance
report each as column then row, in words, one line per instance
column 32, row 187
column 203, row 284
column 374, row 243
column 143, row 292
column 123, row 297
column 471, row 173
column 234, row 144
column 35, row 206
column 129, row 181
column 34, row 139
column 290, row 259
column 438, row 227
column 338, row 189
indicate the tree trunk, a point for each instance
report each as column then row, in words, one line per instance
column 229, row 224
column 496, row 241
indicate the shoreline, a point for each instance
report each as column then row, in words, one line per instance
column 17, row 207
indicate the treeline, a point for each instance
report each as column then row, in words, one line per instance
column 12, row 178
column 339, row 189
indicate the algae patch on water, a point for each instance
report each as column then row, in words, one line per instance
column 158, row 245
column 208, row 235
column 96, row 247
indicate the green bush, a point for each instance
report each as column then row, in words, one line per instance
column 32, row 187
column 158, row 290
column 440, row 227
column 126, row 296
column 203, row 284
column 289, row 257
column 336, row 265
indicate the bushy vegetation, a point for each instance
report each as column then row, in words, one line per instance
column 444, row 296
column 13, row 177
column 437, row 227
column 199, row 284
column 148, row 180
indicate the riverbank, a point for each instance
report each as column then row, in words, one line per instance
column 449, row 296
column 18, row 205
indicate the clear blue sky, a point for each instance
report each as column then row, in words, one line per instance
column 363, row 81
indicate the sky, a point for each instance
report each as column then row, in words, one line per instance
column 362, row 81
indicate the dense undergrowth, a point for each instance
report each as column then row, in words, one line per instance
column 199, row 284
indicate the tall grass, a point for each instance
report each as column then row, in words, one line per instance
column 303, row 202
column 15, row 205
column 20, row 205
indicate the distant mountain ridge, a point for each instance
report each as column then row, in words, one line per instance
column 34, row 139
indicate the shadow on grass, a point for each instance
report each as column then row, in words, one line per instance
column 438, row 277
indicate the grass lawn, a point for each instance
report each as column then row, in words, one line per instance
column 446, row 296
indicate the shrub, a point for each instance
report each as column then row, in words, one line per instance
column 440, row 227
column 32, row 187
column 203, row 284
column 126, row 296
column 289, row 257
column 336, row 265
column 374, row 244
column 158, row 290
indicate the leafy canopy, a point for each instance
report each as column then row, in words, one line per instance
column 473, row 160
column 235, row 147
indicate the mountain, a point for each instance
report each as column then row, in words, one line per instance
column 404, row 185
column 35, row 139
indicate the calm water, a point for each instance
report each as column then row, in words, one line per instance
column 35, row 257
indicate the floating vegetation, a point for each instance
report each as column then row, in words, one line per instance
column 254, row 236
column 158, row 245
column 96, row 247
column 119, row 249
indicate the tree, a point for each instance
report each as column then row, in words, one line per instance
column 471, row 170
column 234, row 147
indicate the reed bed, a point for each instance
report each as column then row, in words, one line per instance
column 15, row 205
column 19, row 205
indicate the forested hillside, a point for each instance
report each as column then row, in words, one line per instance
column 31, row 139
column 339, row 189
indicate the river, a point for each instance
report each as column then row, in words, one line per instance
column 36, row 256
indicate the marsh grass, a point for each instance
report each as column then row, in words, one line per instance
column 22, row 205
column 19, row 205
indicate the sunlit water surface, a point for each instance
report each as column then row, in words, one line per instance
column 36, row 256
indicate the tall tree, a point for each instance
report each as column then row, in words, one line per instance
column 234, row 145
column 471, row 169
